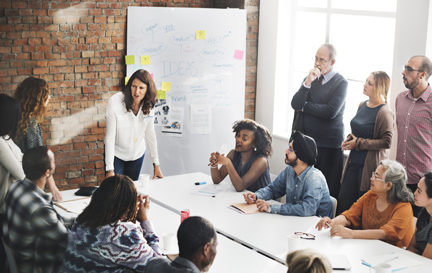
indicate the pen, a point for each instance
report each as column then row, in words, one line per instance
column 200, row 183
column 328, row 225
column 389, row 260
column 251, row 198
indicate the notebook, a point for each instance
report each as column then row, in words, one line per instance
column 244, row 208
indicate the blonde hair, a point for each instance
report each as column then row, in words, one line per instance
column 31, row 95
column 382, row 85
column 308, row 261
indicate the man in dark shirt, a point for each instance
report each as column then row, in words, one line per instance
column 321, row 98
column 197, row 243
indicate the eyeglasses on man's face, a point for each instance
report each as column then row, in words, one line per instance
column 408, row 69
column 375, row 178
column 320, row 60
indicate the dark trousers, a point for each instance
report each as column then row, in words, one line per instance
column 330, row 163
column 129, row 168
column 350, row 188
column 2, row 250
column 416, row 210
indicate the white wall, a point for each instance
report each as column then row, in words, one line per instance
column 413, row 37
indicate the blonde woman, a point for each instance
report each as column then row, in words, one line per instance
column 369, row 141
column 307, row 261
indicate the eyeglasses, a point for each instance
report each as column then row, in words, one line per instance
column 374, row 178
column 304, row 235
column 291, row 150
column 320, row 60
column 410, row 69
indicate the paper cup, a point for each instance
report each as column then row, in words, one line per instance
column 144, row 180
column 169, row 241
column 383, row 268
column 293, row 242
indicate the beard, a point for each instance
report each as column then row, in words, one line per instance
column 292, row 163
column 411, row 85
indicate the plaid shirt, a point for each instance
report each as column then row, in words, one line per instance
column 414, row 125
column 33, row 229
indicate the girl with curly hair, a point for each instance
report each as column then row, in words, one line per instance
column 247, row 164
column 33, row 96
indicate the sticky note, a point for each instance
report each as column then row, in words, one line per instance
column 238, row 54
column 130, row 59
column 161, row 95
column 200, row 35
column 126, row 80
column 166, row 86
column 145, row 59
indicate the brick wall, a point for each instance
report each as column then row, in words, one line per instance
column 79, row 48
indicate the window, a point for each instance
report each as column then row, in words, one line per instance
column 363, row 33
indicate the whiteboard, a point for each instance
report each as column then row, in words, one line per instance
column 208, row 73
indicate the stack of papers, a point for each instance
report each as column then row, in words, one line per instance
column 398, row 261
column 211, row 190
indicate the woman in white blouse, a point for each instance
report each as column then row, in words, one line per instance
column 10, row 156
column 130, row 125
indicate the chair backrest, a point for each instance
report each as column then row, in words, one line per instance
column 13, row 268
column 334, row 206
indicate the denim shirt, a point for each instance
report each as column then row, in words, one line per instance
column 306, row 195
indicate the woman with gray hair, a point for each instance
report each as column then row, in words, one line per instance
column 383, row 213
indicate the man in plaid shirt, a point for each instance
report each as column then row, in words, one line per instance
column 414, row 121
column 31, row 226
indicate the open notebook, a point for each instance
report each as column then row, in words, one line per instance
column 244, row 208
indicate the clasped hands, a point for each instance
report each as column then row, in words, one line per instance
column 335, row 230
column 217, row 158
column 251, row 198
column 143, row 204
column 349, row 143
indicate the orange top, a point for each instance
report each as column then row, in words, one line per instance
column 396, row 220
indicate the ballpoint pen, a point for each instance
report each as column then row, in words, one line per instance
column 251, row 198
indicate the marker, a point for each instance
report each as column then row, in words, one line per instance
column 200, row 183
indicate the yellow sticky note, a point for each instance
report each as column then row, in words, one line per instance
column 161, row 95
column 130, row 59
column 200, row 35
column 126, row 80
column 166, row 86
column 145, row 59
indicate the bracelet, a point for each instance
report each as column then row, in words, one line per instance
column 110, row 171
column 213, row 167
column 155, row 164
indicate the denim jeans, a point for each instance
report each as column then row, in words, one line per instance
column 129, row 168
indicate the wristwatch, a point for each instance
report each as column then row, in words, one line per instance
column 269, row 209
column 110, row 170
column 155, row 164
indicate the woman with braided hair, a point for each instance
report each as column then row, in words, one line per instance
column 247, row 164
column 113, row 233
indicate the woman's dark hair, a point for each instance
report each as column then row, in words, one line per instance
column 428, row 182
column 263, row 138
column 149, row 100
column 31, row 95
column 9, row 116
column 114, row 200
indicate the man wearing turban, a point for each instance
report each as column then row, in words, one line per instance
column 305, row 186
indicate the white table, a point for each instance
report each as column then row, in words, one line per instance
column 265, row 233
column 231, row 256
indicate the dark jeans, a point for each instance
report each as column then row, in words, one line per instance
column 2, row 250
column 129, row 168
column 330, row 163
column 350, row 188
column 416, row 210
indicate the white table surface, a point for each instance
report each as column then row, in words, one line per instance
column 231, row 256
column 266, row 233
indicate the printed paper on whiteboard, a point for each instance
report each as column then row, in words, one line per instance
column 200, row 119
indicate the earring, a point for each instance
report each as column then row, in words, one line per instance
column 254, row 149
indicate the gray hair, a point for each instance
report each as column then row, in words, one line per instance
column 332, row 50
column 395, row 174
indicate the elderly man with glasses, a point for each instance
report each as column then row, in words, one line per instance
column 414, row 121
column 321, row 98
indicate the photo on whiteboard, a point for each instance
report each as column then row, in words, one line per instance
column 162, row 112
column 174, row 127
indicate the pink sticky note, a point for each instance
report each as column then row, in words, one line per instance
column 238, row 54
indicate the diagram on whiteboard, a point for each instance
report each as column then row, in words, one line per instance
column 197, row 60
